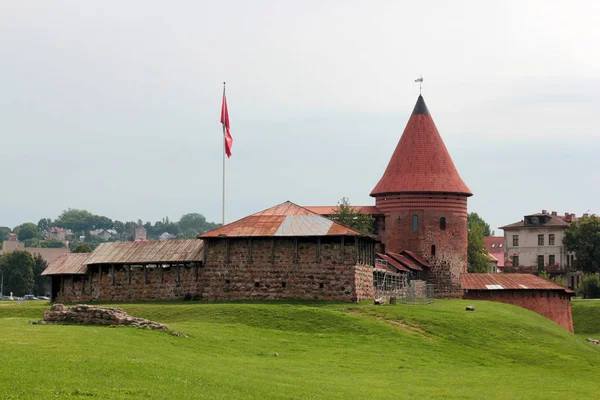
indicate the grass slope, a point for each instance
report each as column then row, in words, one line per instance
column 326, row 351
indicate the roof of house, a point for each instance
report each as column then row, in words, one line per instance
column 148, row 252
column 507, row 282
column 68, row 264
column 421, row 162
column 392, row 262
column 495, row 247
column 553, row 220
column 285, row 219
column 48, row 254
column 328, row 210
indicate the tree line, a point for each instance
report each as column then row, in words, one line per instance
column 82, row 222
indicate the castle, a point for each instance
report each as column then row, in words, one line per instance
column 293, row 252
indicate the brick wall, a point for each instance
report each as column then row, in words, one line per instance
column 552, row 304
column 238, row 269
column 450, row 259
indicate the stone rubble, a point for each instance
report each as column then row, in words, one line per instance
column 96, row 315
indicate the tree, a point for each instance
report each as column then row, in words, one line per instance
column 119, row 227
column 477, row 254
column 35, row 242
column 44, row 224
column 192, row 221
column 82, row 221
column 82, row 248
column 190, row 233
column 28, row 230
column 18, row 272
column 52, row 244
column 4, row 231
column 39, row 266
column 583, row 238
column 474, row 218
column 350, row 216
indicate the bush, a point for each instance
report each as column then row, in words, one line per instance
column 590, row 286
column 558, row 279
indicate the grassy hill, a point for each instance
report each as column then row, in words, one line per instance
column 326, row 351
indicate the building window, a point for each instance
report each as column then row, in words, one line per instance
column 433, row 249
column 551, row 239
column 568, row 260
column 515, row 240
column 443, row 223
column 540, row 262
column 515, row 261
column 415, row 223
column 540, row 240
column 551, row 259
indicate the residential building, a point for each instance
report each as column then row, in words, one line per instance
column 105, row 234
column 535, row 244
column 495, row 248
column 61, row 234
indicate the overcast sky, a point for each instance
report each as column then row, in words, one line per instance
column 113, row 106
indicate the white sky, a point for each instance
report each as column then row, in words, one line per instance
column 113, row 106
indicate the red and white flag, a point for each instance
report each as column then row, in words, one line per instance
column 226, row 127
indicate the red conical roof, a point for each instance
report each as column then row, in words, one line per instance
column 421, row 162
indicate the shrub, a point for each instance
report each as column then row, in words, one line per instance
column 590, row 286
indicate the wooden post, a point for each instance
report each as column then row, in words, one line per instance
column 343, row 250
column 145, row 274
column 91, row 276
column 100, row 274
column 196, row 267
column 129, row 274
column 112, row 274
column 226, row 251
column 249, row 250
column 204, row 250
column 273, row 250
column 178, row 275
column 161, row 273
column 296, row 250
column 356, row 250
column 318, row 250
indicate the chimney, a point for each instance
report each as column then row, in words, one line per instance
column 554, row 213
column 572, row 215
column 12, row 237
column 544, row 211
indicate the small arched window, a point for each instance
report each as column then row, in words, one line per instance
column 415, row 223
column 443, row 223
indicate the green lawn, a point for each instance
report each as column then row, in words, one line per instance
column 326, row 351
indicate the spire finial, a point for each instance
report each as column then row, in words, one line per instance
column 420, row 80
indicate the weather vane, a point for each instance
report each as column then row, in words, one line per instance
column 420, row 80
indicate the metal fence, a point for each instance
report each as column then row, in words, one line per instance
column 419, row 293
column 391, row 286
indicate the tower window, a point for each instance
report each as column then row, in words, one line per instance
column 443, row 223
column 433, row 249
column 415, row 223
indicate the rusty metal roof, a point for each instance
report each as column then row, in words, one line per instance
column 68, row 264
column 406, row 261
column 508, row 282
column 148, row 252
column 286, row 219
column 393, row 262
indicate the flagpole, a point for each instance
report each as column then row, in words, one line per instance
column 224, row 150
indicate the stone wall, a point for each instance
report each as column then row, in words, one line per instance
column 94, row 315
column 238, row 269
column 552, row 304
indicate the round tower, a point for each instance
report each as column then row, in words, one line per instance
column 424, row 201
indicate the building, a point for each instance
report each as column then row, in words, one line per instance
column 495, row 248
column 104, row 234
column 130, row 271
column 524, row 290
column 167, row 236
column 48, row 254
column 140, row 233
column 289, row 252
column 61, row 234
column 424, row 202
column 284, row 252
column 535, row 244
